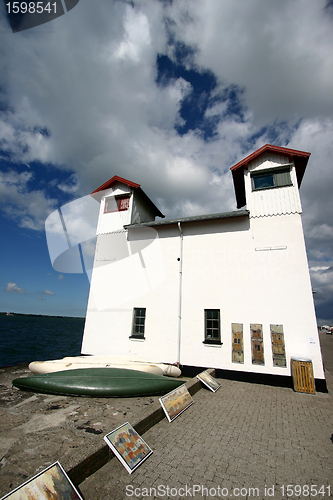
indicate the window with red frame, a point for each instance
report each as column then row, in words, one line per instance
column 118, row 204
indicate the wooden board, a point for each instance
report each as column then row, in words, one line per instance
column 302, row 374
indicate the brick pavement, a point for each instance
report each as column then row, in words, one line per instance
column 243, row 436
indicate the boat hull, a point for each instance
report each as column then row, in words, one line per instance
column 99, row 382
column 75, row 362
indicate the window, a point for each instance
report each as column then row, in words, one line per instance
column 270, row 179
column 123, row 203
column 116, row 204
column 138, row 328
column 212, row 326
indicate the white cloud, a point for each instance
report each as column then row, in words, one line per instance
column 322, row 282
column 12, row 287
column 217, row 109
column 279, row 52
column 109, row 116
column 84, row 97
column 318, row 268
column 71, row 185
column 28, row 208
column 137, row 36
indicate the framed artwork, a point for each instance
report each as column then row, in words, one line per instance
column 128, row 446
column 52, row 482
column 175, row 402
column 209, row 381
column 237, row 343
column 257, row 344
column 278, row 348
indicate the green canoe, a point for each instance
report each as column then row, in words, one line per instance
column 99, row 382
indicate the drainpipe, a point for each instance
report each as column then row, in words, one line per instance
column 180, row 292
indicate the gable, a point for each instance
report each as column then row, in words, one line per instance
column 299, row 158
column 119, row 183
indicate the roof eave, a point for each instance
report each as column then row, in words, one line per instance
column 274, row 149
column 108, row 184
column 197, row 218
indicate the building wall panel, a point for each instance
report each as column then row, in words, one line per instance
column 141, row 212
column 254, row 271
column 114, row 221
column 274, row 201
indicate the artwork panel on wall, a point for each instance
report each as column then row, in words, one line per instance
column 209, row 381
column 257, row 344
column 128, row 446
column 278, row 347
column 237, row 343
column 175, row 402
column 52, row 482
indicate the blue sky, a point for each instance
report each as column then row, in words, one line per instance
column 168, row 94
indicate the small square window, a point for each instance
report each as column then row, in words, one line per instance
column 138, row 326
column 263, row 181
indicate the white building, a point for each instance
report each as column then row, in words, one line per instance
column 227, row 290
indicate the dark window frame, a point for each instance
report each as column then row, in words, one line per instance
column 278, row 177
column 212, row 330
column 138, row 323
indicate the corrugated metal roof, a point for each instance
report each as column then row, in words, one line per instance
column 196, row 218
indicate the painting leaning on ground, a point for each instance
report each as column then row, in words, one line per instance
column 51, row 484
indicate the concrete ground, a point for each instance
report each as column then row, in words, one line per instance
column 243, row 436
column 246, row 440
column 37, row 430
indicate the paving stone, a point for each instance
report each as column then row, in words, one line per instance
column 242, row 443
column 243, row 436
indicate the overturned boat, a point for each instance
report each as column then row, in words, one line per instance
column 99, row 382
column 82, row 362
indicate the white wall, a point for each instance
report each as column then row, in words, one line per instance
column 249, row 285
column 114, row 221
column 151, row 281
column 253, row 270
column 269, row 202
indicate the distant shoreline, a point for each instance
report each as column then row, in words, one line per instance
column 40, row 315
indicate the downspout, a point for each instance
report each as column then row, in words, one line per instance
column 180, row 292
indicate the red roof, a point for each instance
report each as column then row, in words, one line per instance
column 134, row 185
column 112, row 181
column 300, row 159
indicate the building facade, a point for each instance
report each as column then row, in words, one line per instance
column 227, row 290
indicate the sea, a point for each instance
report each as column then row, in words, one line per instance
column 26, row 338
